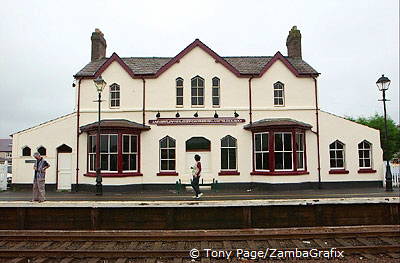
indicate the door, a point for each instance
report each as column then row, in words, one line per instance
column 64, row 171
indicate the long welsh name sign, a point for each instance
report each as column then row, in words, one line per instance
column 196, row 121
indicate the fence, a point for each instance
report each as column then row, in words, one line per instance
column 395, row 169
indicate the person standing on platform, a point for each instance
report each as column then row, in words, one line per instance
column 196, row 177
column 39, row 179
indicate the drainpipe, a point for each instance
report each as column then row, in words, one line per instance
column 317, row 133
column 144, row 97
column 250, row 103
column 78, row 133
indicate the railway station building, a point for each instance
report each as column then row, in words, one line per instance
column 254, row 120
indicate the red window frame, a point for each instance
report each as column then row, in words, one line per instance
column 271, row 147
column 120, row 173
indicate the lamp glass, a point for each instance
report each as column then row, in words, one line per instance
column 99, row 83
column 383, row 83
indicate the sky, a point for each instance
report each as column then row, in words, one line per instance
column 44, row 43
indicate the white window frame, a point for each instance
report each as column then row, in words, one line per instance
column 335, row 150
column 109, row 153
column 230, row 148
column 197, row 91
column 218, row 88
column 361, row 156
column 279, row 86
column 92, row 155
column 298, row 151
column 176, row 90
column 135, row 151
column 261, row 151
column 283, row 151
column 115, row 89
column 168, row 148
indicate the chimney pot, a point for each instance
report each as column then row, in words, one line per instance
column 293, row 43
column 99, row 45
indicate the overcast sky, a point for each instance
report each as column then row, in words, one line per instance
column 43, row 43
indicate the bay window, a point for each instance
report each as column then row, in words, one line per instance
column 283, row 151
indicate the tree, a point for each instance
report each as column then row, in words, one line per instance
column 378, row 122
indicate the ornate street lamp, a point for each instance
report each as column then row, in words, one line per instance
column 100, row 85
column 383, row 84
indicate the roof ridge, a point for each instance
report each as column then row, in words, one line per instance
column 247, row 56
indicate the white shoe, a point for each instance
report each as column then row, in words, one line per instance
column 200, row 195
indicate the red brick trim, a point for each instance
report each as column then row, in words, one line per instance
column 338, row 171
column 279, row 173
column 366, row 171
column 114, row 174
column 229, row 173
column 167, row 174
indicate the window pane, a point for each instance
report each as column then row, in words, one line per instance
column 125, row 143
column 91, row 162
column 179, row 101
column 117, row 103
column 171, row 165
column 179, row 92
column 339, row 163
column 367, row 162
column 288, row 141
column 339, row 154
column 134, row 143
column 163, row 143
column 104, row 161
column 265, row 161
column 171, row 143
column 179, row 82
column 215, row 100
column 113, row 143
column 224, row 158
column 125, row 162
column 278, row 161
column 257, row 142
column 164, row 165
column 276, row 101
column 225, row 142
column 339, row 145
column 201, row 101
column 300, row 162
column 278, row 142
column 194, row 82
column 332, row 146
column 200, row 82
column 259, row 161
column 104, row 143
column 264, row 137
column 232, row 158
column 215, row 82
column 113, row 162
column 200, row 92
column 288, row 160
column 132, row 162
column 366, row 154
column 194, row 91
column 333, row 163
column 215, row 91
column 231, row 141
column 171, row 154
column 164, row 154
column 194, row 101
column 361, row 163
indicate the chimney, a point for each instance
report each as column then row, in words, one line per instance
column 99, row 45
column 293, row 43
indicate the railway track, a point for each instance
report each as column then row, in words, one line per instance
column 379, row 243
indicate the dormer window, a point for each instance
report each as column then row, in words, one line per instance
column 197, row 91
column 114, row 96
column 215, row 92
column 179, row 92
column 279, row 94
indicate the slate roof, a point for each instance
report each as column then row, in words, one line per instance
column 5, row 145
column 115, row 123
column 274, row 122
column 150, row 65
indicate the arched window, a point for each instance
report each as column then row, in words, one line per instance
column 42, row 150
column 114, row 95
column 197, row 91
column 179, row 92
column 198, row 144
column 364, row 154
column 228, row 153
column 279, row 94
column 26, row 151
column 336, row 155
column 215, row 92
column 167, row 154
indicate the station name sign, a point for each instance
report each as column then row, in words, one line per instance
column 196, row 121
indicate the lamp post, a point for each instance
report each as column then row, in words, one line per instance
column 100, row 84
column 383, row 85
